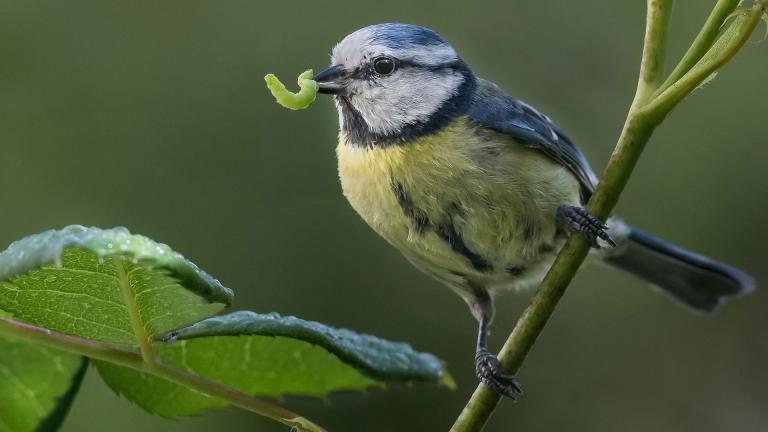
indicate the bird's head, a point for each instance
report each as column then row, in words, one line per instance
column 394, row 81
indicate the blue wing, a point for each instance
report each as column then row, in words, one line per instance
column 493, row 109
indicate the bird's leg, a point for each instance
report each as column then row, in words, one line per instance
column 489, row 370
column 573, row 219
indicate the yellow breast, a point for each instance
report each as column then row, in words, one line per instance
column 426, row 168
column 499, row 196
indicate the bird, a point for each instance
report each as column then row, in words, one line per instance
column 478, row 189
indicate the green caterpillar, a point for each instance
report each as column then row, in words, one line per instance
column 295, row 101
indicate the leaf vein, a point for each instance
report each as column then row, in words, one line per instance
column 88, row 272
column 69, row 293
column 150, row 290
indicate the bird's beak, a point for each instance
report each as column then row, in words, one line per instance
column 332, row 80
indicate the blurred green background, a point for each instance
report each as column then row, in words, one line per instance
column 154, row 115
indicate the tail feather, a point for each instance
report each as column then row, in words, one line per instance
column 695, row 280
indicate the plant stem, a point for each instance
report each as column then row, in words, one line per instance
column 654, row 48
column 704, row 40
column 645, row 114
column 132, row 360
column 721, row 52
column 531, row 323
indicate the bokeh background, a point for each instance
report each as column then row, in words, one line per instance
column 154, row 115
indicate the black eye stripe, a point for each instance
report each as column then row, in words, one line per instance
column 367, row 72
column 457, row 64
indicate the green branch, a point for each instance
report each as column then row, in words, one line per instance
column 704, row 40
column 718, row 54
column 132, row 360
column 654, row 48
column 648, row 110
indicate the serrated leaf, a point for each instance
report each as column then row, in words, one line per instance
column 37, row 386
column 156, row 395
column 270, row 355
column 78, row 281
column 374, row 357
column 122, row 289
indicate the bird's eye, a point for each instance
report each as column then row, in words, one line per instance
column 384, row 65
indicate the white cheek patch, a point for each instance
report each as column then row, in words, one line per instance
column 409, row 96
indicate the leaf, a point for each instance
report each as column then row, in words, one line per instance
column 126, row 290
column 270, row 355
column 156, row 395
column 106, row 285
column 375, row 357
column 37, row 386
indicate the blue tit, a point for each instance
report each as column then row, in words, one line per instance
column 477, row 189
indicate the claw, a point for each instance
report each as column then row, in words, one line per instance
column 490, row 373
column 578, row 220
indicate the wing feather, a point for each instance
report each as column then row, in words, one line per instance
column 495, row 110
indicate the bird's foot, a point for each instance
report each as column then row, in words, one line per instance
column 574, row 219
column 490, row 373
